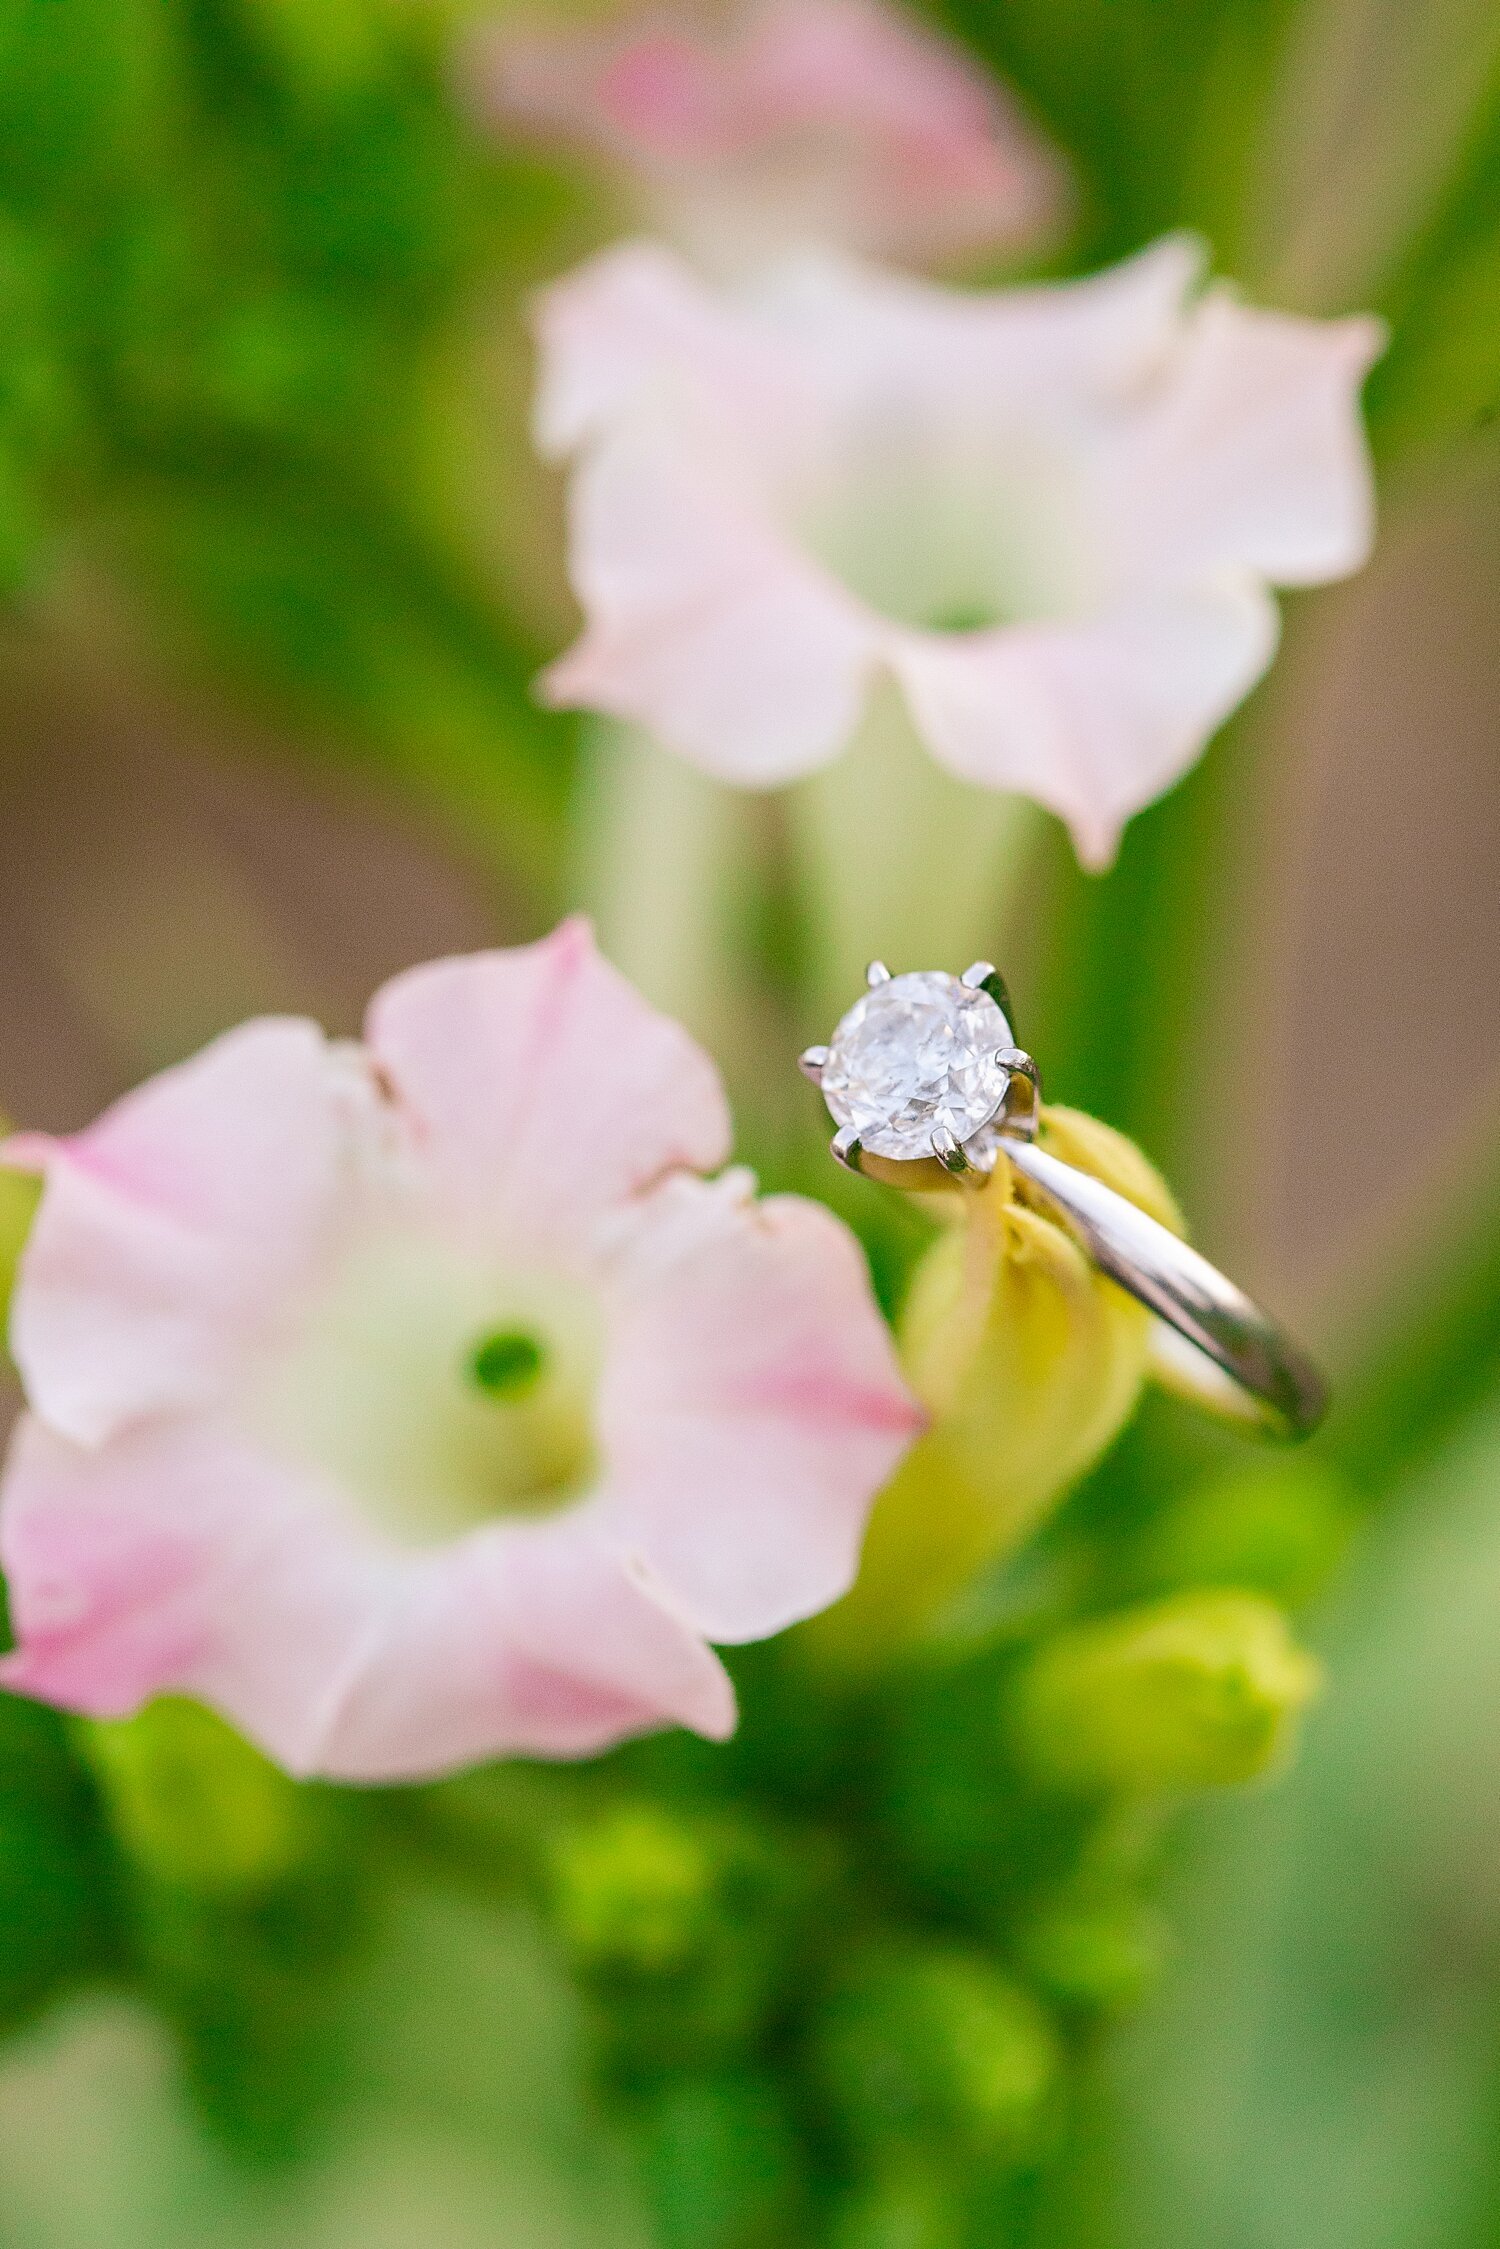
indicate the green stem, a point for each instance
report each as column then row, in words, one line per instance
column 900, row 862
column 660, row 860
column 1135, row 957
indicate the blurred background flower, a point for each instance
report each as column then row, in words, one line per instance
column 1050, row 515
column 840, row 122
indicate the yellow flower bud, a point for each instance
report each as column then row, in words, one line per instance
column 1199, row 1691
column 1029, row 1362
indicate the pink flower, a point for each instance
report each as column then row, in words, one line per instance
column 1052, row 514
column 418, row 1402
column 838, row 121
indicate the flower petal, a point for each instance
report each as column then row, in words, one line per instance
column 705, row 623
column 170, row 1230
column 636, row 330
column 1053, row 347
column 178, row 1558
column 181, row 1560
column 752, row 1406
column 1096, row 719
column 528, row 1639
column 1253, row 456
column 542, row 1089
column 634, row 327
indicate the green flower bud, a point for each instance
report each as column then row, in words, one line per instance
column 192, row 1803
column 906, row 2208
column 1029, row 1362
column 1199, row 1691
column 1279, row 1527
column 1101, row 1954
column 633, row 1893
column 683, row 1929
column 935, row 2050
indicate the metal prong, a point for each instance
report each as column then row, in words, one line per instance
column 845, row 1149
column 950, row 1155
column 983, row 976
column 1023, row 1094
column 877, row 973
column 810, row 1062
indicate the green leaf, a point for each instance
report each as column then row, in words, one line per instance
column 1439, row 385
column 20, row 1192
column 1158, row 105
column 1431, row 1354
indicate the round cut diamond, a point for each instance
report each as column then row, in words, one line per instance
column 915, row 1053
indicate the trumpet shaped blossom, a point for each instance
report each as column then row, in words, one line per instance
column 844, row 122
column 1052, row 515
column 420, row 1401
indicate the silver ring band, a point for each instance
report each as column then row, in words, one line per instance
column 927, row 1085
column 1182, row 1288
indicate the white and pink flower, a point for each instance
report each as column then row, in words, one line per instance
column 419, row 1401
column 841, row 122
column 1053, row 515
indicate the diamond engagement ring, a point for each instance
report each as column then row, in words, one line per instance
column 926, row 1084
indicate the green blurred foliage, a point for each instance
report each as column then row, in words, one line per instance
column 244, row 249
column 721, row 2163
column 1157, row 104
column 1100, row 1955
column 243, row 1898
column 59, row 1923
column 1168, row 112
column 1280, row 1527
column 1441, row 384
column 194, row 1806
column 1322, row 2067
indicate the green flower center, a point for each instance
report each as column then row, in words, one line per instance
column 435, row 1390
column 948, row 530
column 508, row 1364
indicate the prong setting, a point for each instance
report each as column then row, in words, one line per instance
column 811, row 1061
column 1021, row 1112
column 949, row 1152
column 877, row 973
column 983, row 976
column 845, row 1149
